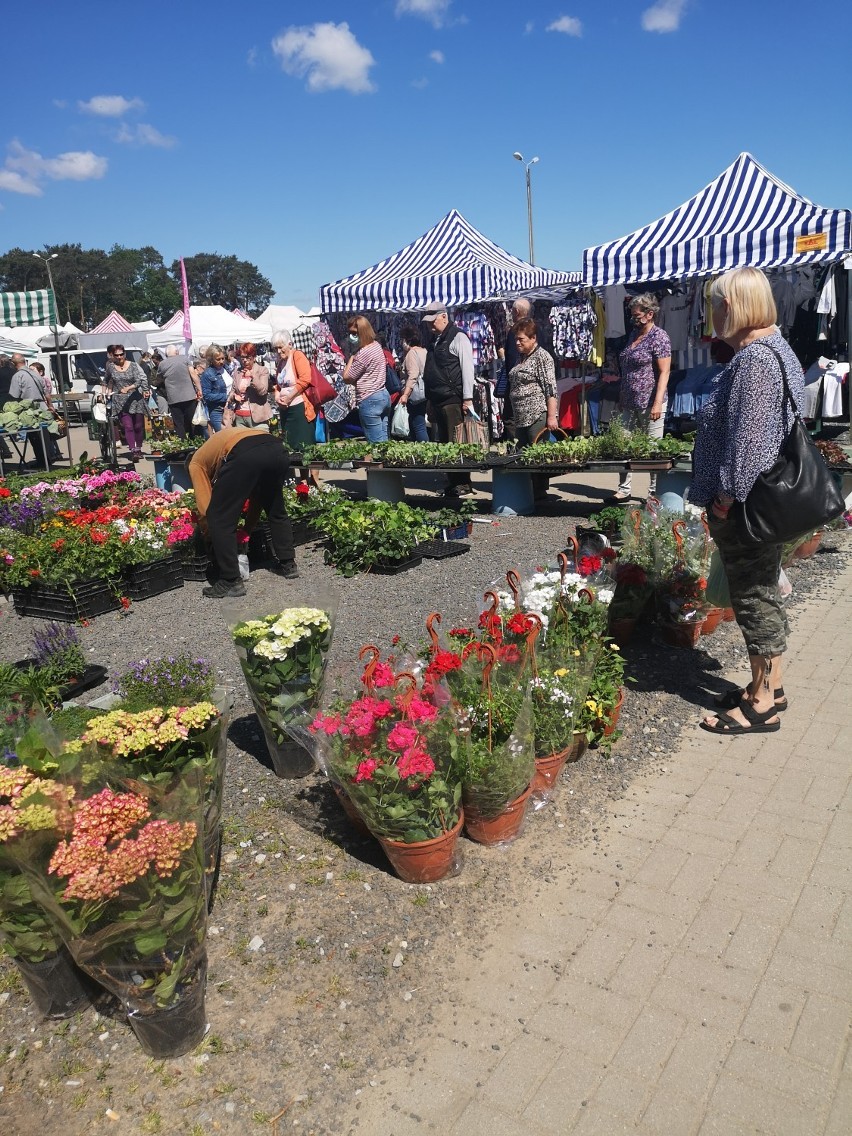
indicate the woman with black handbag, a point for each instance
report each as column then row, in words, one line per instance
column 742, row 430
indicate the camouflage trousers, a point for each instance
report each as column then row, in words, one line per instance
column 752, row 571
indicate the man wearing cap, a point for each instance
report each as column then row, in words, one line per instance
column 448, row 379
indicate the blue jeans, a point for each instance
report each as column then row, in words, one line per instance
column 374, row 413
column 417, row 420
column 214, row 413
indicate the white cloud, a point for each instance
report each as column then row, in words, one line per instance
column 436, row 56
column 529, row 27
column 330, row 56
column 251, row 57
column 17, row 183
column 435, row 11
column 145, row 135
column 419, row 84
column 110, row 106
column 664, row 16
column 26, row 170
column 568, row 25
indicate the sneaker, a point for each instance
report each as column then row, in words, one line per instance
column 222, row 590
column 285, row 568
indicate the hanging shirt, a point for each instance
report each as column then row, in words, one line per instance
column 614, row 297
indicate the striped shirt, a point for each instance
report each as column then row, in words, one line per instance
column 368, row 369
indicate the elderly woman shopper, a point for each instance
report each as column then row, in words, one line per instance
column 215, row 384
column 741, row 430
column 130, row 388
column 367, row 371
column 645, row 367
column 248, row 403
column 298, row 417
column 532, row 389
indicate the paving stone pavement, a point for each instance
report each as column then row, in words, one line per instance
column 694, row 976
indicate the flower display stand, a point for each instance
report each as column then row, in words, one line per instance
column 146, row 580
column 87, row 600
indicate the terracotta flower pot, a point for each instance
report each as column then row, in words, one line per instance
column 355, row 818
column 808, row 547
column 547, row 770
column 681, row 634
column 426, row 861
column 712, row 620
column 622, row 630
column 614, row 715
column 728, row 615
column 577, row 747
column 500, row 829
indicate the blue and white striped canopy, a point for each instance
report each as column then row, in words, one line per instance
column 453, row 263
column 745, row 217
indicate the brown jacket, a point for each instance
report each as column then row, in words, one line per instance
column 207, row 460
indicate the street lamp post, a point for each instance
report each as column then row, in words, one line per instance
column 59, row 379
column 526, row 165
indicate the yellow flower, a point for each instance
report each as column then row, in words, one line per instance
column 561, row 672
column 592, row 705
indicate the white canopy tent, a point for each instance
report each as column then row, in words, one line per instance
column 285, row 317
column 210, row 324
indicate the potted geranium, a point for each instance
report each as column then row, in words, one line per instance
column 282, row 656
column 387, row 749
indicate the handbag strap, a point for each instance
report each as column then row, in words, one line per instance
column 787, row 395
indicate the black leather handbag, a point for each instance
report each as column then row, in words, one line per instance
column 797, row 495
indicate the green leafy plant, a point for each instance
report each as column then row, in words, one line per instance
column 362, row 534
column 26, row 414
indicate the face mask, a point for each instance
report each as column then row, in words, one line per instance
column 353, row 338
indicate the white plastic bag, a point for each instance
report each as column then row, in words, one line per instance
column 243, row 561
column 199, row 418
column 399, row 422
column 99, row 410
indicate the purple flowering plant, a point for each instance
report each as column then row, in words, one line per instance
column 173, row 680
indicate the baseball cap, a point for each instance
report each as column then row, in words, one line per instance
column 430, row 313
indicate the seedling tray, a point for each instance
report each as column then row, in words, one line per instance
column 440, row 549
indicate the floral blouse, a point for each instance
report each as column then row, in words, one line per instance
column 531, row 383
column 742, row 426
column 638, row 377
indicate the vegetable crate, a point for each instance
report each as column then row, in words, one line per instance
column 95, row 597
column 146, row 580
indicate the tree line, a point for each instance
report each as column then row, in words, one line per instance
column 136, row 282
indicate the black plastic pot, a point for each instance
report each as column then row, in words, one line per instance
column 57, row 986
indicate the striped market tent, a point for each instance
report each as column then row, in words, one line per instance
column 112, row 323
column 453, row 263
column 745, row 217
column 23, row 309
column 13, row 347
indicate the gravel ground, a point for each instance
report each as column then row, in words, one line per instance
column 353, row 961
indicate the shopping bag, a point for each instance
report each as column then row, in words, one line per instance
column 399, row 423
column 319, row 390
column 199, row 417
column 472, row 431
column 717, row 592
column 319, row 429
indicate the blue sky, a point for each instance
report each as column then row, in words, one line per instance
column 314, row 139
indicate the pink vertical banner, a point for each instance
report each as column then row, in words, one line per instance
column 187, row 327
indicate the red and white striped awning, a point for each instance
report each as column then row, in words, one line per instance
column 114, row 322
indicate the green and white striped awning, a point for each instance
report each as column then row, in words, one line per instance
column 25, row 309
